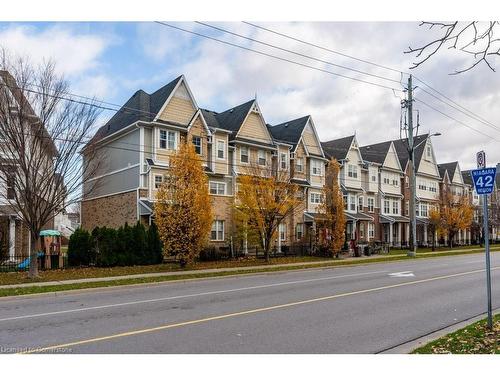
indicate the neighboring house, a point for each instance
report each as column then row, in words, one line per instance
column 137, row 142
column 383, row 182
column 300, row 153
column 14, row 235
column 347, row 152
column 427, row 183
column 452, row 187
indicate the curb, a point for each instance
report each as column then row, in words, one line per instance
column 409, row 346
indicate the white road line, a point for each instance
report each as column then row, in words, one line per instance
column 185, row 296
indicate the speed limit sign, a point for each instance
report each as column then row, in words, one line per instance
column 481, row 159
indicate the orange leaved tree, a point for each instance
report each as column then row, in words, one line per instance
column 457, row 215
column 183, row 211
column 333, row 209
column 265, row 200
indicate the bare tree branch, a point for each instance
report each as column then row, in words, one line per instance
column 41, row 138
column 480, row 44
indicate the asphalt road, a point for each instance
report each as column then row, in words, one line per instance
column 359, row 309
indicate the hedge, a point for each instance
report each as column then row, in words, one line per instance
column 107, row 247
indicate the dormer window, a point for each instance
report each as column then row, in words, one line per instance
column 221, row 148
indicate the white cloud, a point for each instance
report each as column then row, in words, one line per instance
column 222, row 76
column 73, row 52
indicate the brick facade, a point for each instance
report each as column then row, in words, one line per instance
column 111, row 211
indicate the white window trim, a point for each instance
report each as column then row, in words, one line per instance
column 248, row 155
column 301, row 165
column 313, row 193
column 201, row 144
column 281, row 161
column 217, row 149
column 258, row 158
column 154, row 179
column 316, row 164
column 217, row 182
column 217, row 231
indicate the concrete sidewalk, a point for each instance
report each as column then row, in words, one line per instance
column 326, row 263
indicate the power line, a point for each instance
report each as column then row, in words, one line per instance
column 296, row 53
column 467, row 111
column 323, row 48
column 454, row 119
column 275, row 57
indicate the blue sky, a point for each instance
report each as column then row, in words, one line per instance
column 113, row 60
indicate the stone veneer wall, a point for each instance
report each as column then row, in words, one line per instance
column 111, row 211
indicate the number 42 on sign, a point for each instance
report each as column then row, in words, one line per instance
column 484, row 180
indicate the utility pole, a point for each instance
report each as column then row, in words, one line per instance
column 412, row 250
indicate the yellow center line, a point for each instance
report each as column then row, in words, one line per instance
column 246, row 312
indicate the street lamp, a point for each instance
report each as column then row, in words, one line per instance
column 412, row 250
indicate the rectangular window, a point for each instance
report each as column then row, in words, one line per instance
column 352, row 203
column 217, row 188
column 158, row 181
column 163, row 139
column 221, row 149
column 316, row 167
column 352, row 171
column 374, row 178
column 197, row 145
column 217, row 232
column 316, row 198
column 387, row 181
column 371, row 205
column 283, row 163
column 282, row 231
column 299, row 165
column 428, row 152
column 262, row 157
column 299, row 231
column 371, row 230
column 395, row 207
column 407, row 208
column 360, row 203
column 423, row 209
column 344, row 197
column 244, row 155
column 10, row 185
column 387, row 208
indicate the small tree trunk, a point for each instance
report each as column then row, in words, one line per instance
column 33, row 270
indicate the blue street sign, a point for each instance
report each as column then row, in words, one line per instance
column 484, row 180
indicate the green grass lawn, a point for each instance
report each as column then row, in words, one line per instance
column 473, row 339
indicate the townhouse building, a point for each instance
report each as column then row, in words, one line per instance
column 385, row 177
column 427, row 183
column 14, row 235
column 137, row 142
column 452, row 187
column 358, row 193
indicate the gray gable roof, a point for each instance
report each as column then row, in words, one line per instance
column 289, row 131
column 231, row 119
column 375, row 153
column 467, row 177
column 337, row 148
column 140, row 107
column 448, row 167
column 402, row 151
